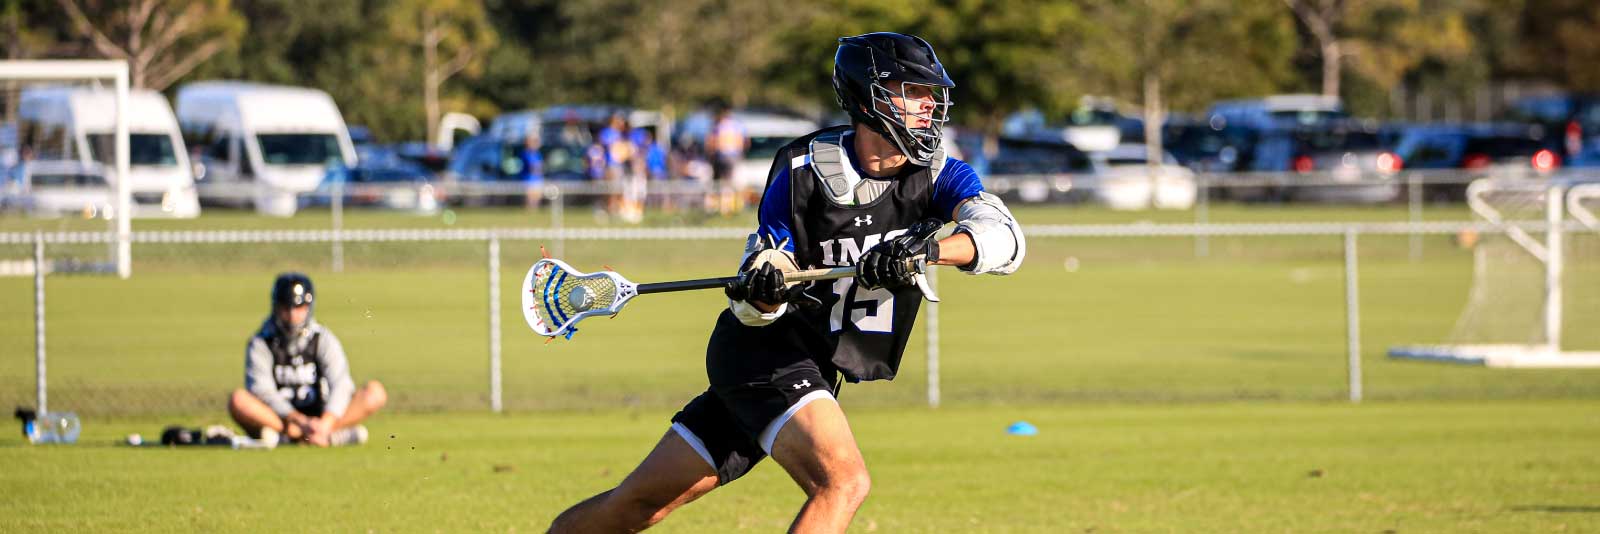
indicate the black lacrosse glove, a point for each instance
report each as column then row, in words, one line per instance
column 761, row 276
column 761, row 284
column 892, row 264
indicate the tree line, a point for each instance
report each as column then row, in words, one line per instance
column 396, row 65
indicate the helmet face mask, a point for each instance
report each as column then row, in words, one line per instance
column 895, row 86
column 914, row 116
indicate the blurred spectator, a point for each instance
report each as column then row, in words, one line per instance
column 618, row 154
column 727, row 144
column 532, row 170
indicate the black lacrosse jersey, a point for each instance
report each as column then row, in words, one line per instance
column 865, row 331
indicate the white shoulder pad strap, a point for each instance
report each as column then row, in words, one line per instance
column 833, row 168
column 995, row 234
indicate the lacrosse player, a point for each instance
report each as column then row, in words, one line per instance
column 297, row 381
column 871, row 195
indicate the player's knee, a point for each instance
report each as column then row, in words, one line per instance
column 239, row 399
column 376, row 395
column 644, row 509
column 856, row 486
column 851, row 485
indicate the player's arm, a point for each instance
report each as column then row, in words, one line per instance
column 762, row 295
column 988, row 239
column 336, row 370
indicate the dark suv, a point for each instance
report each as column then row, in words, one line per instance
column 1477, row 149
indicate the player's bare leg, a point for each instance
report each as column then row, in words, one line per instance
column 253, row 415
column 366, row 401
column 819, row 451
column 671, row 476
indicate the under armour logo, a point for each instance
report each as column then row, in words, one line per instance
column 864, row 220
column 803, row 384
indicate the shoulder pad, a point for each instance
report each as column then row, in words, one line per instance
column 829, row 163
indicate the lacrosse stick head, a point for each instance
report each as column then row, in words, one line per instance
column 555, row 296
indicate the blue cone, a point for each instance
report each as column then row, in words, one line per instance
column 1022, row 428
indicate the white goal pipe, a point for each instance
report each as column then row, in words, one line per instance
column 1554, row 216
column 1575, row 197
column 117, row 72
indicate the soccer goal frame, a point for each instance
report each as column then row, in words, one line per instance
column 1550, row 253
column 116, row 72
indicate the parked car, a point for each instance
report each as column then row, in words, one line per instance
column 487, row 164
column 1122, row 180
column 1279, row 111
column 1477, row 149
column 1032, row 170
column 51, row 188
column 77, row 123
column 1208, row 146
column 382, row 179
column 1573, row 117
column 1349, row 163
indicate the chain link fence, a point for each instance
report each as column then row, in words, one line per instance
column 1248, row 302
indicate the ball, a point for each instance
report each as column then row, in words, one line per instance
column 581, row 298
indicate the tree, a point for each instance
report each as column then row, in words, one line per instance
column 162, row 40
column 454, row 36
column 1143, row 49
column 1383, row 39
column 1557, row 41
column 1322, row 18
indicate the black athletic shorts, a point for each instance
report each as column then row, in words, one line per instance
column 760, row 376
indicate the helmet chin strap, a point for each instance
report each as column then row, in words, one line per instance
column 899, row 143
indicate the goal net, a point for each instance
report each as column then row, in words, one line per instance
column 64, row 146
column 1533, row 279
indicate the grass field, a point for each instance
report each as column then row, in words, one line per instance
column 1509, row 466
column 1174, row 393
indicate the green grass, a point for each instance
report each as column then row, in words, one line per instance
column 1175, row 393
column 1510, row 466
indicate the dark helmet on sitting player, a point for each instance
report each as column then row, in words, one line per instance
column 291, row 290
column 870, row 69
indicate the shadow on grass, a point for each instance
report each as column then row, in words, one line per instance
column 1556, row 509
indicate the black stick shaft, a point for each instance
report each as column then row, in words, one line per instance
column 711, row 283
column 685, row 285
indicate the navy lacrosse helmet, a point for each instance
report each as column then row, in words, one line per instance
column 291, row 289
column 870, row 69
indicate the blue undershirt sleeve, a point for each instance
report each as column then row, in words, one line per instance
column 957, row 182
column 774, row 218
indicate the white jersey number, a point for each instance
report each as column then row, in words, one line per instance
column 871, row 310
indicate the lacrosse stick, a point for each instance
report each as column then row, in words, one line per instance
column 555, row 296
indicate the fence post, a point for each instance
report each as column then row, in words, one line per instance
column 1414, row 199
column 933, row 341
column 338, row 222
column 1202, row 215
column 494, row 322
column 1352, row 306
column 38, row 320
column 557, row 207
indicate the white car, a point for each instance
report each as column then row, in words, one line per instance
column 51, row 188
column 1122, row 180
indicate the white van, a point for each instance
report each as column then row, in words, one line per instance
column 77, row 124
column 262, row 144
